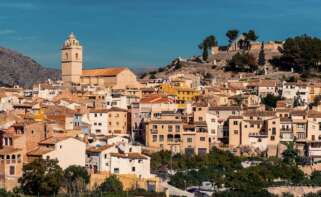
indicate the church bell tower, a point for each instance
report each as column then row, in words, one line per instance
column 71, row 61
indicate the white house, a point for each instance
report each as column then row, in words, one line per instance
column 67, row 150
column 122, row 158
column 7, row 101
column 295, row 90
column 98, row 119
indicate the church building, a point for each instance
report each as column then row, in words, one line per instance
column 73, row 72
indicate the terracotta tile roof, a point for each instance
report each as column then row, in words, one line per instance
column 235, row 117
column 259, row 113
column 52, row 140
column 298, row 113
column 39, row 151
column 314, row 114
column 267, row 83
column 156, row 99
column 224, row 108
column 94, row 149
column 108, row 72
column 98, row 110
column 8, row 150
column 115, row 109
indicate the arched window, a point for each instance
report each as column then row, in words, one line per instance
column 76, row 56
column 10, row 141
column 13, row 157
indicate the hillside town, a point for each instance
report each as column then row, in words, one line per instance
column 111, row 122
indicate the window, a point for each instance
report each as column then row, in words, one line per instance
column 200, row 118
column 189, row 140
column 161, row 138
column 170, row 128
column 154, row 126
column 60, row 146
column 202, row 139
column 273, row 122
column 133, row 169
column 213, row 120
column 235, row 123
column 116, row 170
column 95, row 115
column 177, row 128
column 252, row 125
column 245, row 126
column 213, row 131
column 272, row 138
column 105, row 156
column 12, row 170
column 273, row 131
column 236, row 132
column 154, row 138
column 99, row 124
column 319, row 125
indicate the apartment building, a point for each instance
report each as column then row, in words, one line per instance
column 258, row 129
column 172, row 131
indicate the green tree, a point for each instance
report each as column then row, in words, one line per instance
column 111, row 184
column 287, row 194
column 301, row 53
column 250, row 35
column 290, row 155
column 270, row 100
column 316, row 178
column 261, row 60
column 232, row 35
column 206, row 45
column 41, row 177
column 76, row 179
column 242, row 62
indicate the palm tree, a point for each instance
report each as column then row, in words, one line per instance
column 207, row 44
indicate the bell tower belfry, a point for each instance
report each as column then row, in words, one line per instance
column 71, row 61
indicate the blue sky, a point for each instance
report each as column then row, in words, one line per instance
column 145, row 33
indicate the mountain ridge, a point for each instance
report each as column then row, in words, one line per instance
column 18, row 69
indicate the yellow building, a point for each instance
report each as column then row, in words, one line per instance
column 73, row 72
column 183, row 95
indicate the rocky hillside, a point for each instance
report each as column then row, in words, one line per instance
column 17, row 69
column 214, row 68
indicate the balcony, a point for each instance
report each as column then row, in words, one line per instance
column 286, row 137
column 261, row 134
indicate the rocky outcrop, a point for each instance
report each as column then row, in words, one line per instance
column 17, row 69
